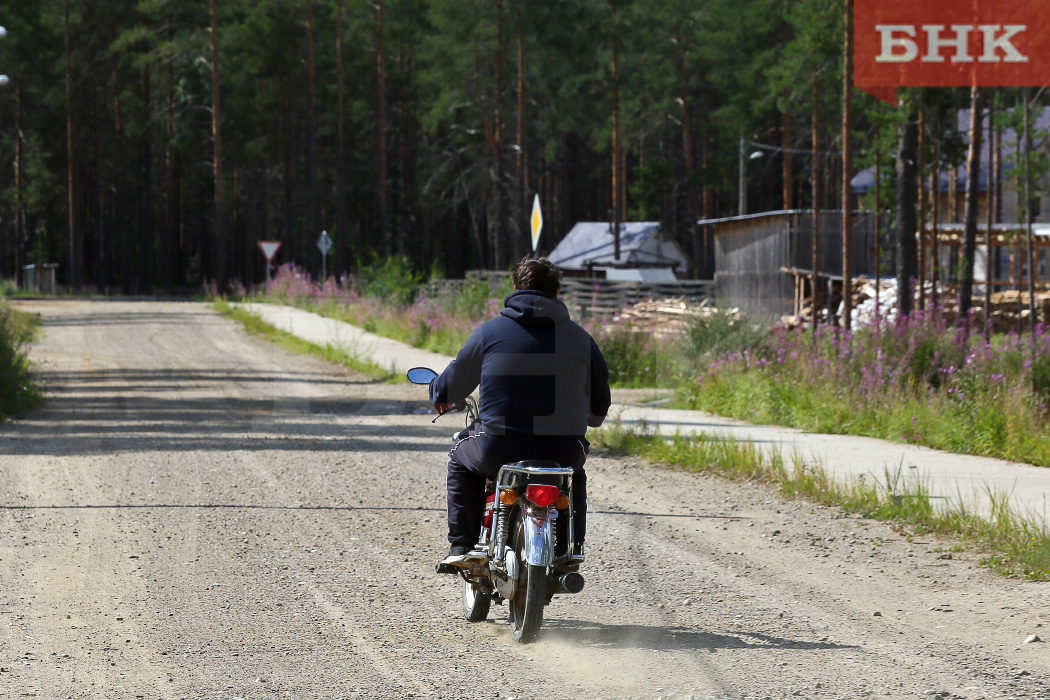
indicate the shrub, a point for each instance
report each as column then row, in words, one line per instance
column 18, row 393
column 635, row 358
column 721, row 332
column 8, row 287
column 391, row 279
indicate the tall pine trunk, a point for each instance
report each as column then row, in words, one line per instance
column 521, row 156
column 922, row 200
column 907, row 216
column 687, row 149
column 74, row 233
column 145, row 242
column 122, row 260
column 993, row 185
column 847, row 168
column 290, row 253
column 221, row 265
column 311, row 151
column 20, row 214
column 167, row 244
column 973, row 179
column 101, row 258
column 497, row 228
column 815, row 145
column 617, row 205
column 341, row 242
column 785, row 165
column 384, row 240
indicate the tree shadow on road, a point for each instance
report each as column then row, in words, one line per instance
column 114, row 411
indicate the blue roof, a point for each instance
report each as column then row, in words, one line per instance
column 591, row 243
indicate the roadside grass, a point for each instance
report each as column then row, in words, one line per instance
column 19, row 394
column 922, row 381
column 389, row 300
column 1011, row 544
column 344, row 356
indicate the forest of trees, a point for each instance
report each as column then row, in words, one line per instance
column 148, row 146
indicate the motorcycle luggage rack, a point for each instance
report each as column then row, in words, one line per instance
column 535, row 471
column 539, row 469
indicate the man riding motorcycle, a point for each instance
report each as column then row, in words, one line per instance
column 543, row 381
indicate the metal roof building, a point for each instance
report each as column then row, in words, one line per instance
column 590, row 245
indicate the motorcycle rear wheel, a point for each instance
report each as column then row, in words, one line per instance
column 526, row 607
column 475, row 603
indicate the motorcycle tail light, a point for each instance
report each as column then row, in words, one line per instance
column 563, row 501
column 508, row 497
column 486, row 519
column 541, row 494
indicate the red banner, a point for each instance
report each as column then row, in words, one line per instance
column 927, row 43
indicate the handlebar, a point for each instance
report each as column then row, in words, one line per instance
column 457, row 407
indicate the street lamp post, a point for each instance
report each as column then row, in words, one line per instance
column 742, row 185
column 743, row 172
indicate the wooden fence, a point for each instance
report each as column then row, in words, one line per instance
column 596, row 297
column 599, row 297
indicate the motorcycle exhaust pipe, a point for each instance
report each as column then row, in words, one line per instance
column 567, row 583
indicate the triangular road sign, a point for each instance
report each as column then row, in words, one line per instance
column 269, row 248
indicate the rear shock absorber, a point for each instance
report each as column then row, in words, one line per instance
column 501, row 529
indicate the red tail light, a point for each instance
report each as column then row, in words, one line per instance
column 490, row 504
column 542, row 495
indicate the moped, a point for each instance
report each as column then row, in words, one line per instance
column 524, row 554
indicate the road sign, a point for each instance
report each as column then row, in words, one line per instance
column 536, row 222
column 324, row 243
column 269, row 249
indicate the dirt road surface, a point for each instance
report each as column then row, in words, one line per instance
column 197, row 514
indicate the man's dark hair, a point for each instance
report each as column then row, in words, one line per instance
column 538, row 274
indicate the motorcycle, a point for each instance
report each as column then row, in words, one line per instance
column 524, row 554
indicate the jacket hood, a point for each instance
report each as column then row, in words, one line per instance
column 532, row 308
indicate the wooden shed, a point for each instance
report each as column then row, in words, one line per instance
column 763, row 262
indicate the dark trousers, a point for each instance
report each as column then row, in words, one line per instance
column 478, row 456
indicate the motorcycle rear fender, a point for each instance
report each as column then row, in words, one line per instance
column 539, row 540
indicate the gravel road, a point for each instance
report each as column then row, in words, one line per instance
column 198, row 514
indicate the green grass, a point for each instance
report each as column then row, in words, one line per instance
column 1011, row 544
column 255, row 325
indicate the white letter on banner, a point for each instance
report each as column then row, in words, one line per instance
column 992, row 43
column 934, row 43
column 891, row 42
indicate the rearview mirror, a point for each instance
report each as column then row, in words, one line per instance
column 421, row 375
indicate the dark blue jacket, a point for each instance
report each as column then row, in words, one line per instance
column 540, row 373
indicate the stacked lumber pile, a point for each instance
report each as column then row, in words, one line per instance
column 1011, row 310
column 663, row 317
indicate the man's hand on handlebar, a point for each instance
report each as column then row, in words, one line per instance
column 443, row 408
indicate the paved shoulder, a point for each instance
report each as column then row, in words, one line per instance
column 387, row 353
column 949, row 477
